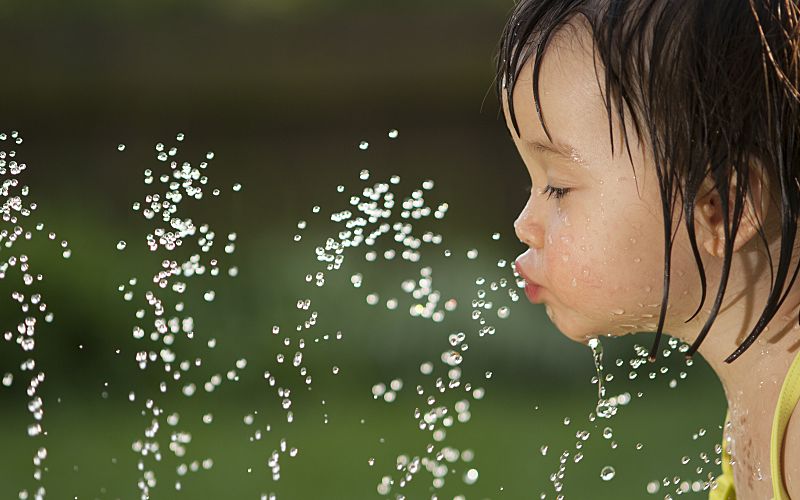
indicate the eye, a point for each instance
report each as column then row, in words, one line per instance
column 558, row 192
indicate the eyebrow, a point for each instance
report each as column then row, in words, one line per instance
column 558, row 150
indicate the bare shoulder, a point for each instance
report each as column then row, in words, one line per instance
column 791, row 455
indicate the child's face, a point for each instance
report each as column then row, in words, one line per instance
column 598, row 252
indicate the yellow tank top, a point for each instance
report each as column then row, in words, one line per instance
column 787, row 400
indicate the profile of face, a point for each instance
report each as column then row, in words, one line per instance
column 597, row 252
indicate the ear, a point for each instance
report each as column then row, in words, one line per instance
column 708, row 211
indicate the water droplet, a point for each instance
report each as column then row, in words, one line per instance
column 363, row 145
column 121, row 245
column 607, row 473
column 393, row 133
column 179, row 137
column 209, row 295
column 121, row 147
column 456, row 338
column 471, row 476
column 503, row 312
column 472, row 254
column 237, row 187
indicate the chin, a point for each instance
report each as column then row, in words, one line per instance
column 574, row 332
column 583, row 333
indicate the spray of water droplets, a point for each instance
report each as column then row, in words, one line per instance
column 379, row 218
column 17, row 270
column 606, row 408
column 188, row 251
column 373, row 213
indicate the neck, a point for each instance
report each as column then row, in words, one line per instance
column 753, row 381
column 765, row 363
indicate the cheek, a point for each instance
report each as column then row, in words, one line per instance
column 596, row 261
column 571, row 261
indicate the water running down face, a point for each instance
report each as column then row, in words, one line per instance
column 593, row 223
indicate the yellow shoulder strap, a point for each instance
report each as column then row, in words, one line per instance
column 790, row 394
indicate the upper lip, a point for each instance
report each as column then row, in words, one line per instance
column 521, row 272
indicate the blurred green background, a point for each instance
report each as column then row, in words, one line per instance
column 283, row 91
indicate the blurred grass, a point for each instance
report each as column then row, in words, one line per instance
column 90, row 456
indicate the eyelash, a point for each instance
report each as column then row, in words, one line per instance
column 550, row 191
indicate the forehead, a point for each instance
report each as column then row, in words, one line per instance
column 571, row 98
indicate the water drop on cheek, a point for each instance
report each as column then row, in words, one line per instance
column 574, row 282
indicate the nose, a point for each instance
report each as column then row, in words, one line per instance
column 527, row 228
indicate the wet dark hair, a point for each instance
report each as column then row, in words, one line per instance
column 711, row 86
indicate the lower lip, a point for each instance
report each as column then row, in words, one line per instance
column 533, row 292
